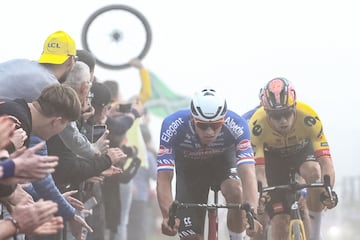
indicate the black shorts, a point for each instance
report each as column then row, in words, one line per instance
column 277, row 168
column 193, row 181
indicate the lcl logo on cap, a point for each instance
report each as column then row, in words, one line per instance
column 53, row 45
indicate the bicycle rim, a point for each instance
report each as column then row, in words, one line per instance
column 115, row 34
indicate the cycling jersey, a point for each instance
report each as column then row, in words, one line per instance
column 178, row 137
column 307, row 129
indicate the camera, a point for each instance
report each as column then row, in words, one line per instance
column 124, row 107
column 97, row 132
column 129, row 151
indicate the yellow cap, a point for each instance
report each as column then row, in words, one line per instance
column 57, row 48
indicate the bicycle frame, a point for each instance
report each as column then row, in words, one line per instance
column 296, row 225
column 212, row 209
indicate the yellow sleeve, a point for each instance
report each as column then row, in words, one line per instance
column 257, row 134
column 145, row 91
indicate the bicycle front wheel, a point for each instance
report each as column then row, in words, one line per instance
column 297, row 230
column 115, row 34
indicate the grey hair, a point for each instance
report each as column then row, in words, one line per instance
column 78, row 75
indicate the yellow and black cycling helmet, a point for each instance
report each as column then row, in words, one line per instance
column 278, row 94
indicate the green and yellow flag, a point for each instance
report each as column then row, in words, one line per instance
column 164, row 101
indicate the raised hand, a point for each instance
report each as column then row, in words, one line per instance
column 31, row 166
column 102, row 144
column 116, row 155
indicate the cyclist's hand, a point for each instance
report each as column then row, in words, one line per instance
column 258, row 229
column 167, row 230
column 262, row 203
column 328, row 203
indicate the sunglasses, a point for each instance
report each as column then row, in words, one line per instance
column 205, row 125
column 278, row 114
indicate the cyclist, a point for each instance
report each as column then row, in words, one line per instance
column 206, row 145
column 286, row 133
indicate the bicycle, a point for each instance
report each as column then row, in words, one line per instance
column 212, row 209
column 115, row 34
column 296, row 226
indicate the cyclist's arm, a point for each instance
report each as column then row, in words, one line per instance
column 327, row 167
column 319, row 142
column 164, row 191
column 260, row 175
column 249, row 183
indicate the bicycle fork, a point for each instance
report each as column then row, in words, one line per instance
column 296, row 225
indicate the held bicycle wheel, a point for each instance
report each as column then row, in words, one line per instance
column 115, row 34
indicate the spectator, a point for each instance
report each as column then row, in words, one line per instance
column 46, row 116
column 139, row 215
column 21, row 78
column 133, row 139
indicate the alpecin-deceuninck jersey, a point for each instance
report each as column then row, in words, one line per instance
column 178, row 138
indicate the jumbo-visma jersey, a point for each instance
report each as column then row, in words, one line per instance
column 178, row 137
column 307, row 129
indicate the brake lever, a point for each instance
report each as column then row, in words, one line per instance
column 172, row 213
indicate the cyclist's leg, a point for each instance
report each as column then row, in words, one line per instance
column 311, row 172
column 192, row 186
column 236, row 219
column 280, row 226
column 224, row 169
column 277, row 169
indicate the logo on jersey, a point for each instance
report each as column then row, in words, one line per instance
column 310, row 120
column 244, row 145
column 187, row 221
column 163, row 151
column 237, row 130
column 256, row 130
column 171, row 130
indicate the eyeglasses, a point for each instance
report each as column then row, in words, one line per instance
column 205, row 125
column 90, row 96
column 278, row 114
column 76, row 58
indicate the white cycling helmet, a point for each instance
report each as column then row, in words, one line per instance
column 206, row 105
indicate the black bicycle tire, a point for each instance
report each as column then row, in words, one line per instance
column 103, row 10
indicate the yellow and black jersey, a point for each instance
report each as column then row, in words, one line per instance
column 307, row 129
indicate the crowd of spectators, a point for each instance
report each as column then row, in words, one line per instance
column 56, row 180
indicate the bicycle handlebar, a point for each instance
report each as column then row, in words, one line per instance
column 177, row 205
column 295, row 186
